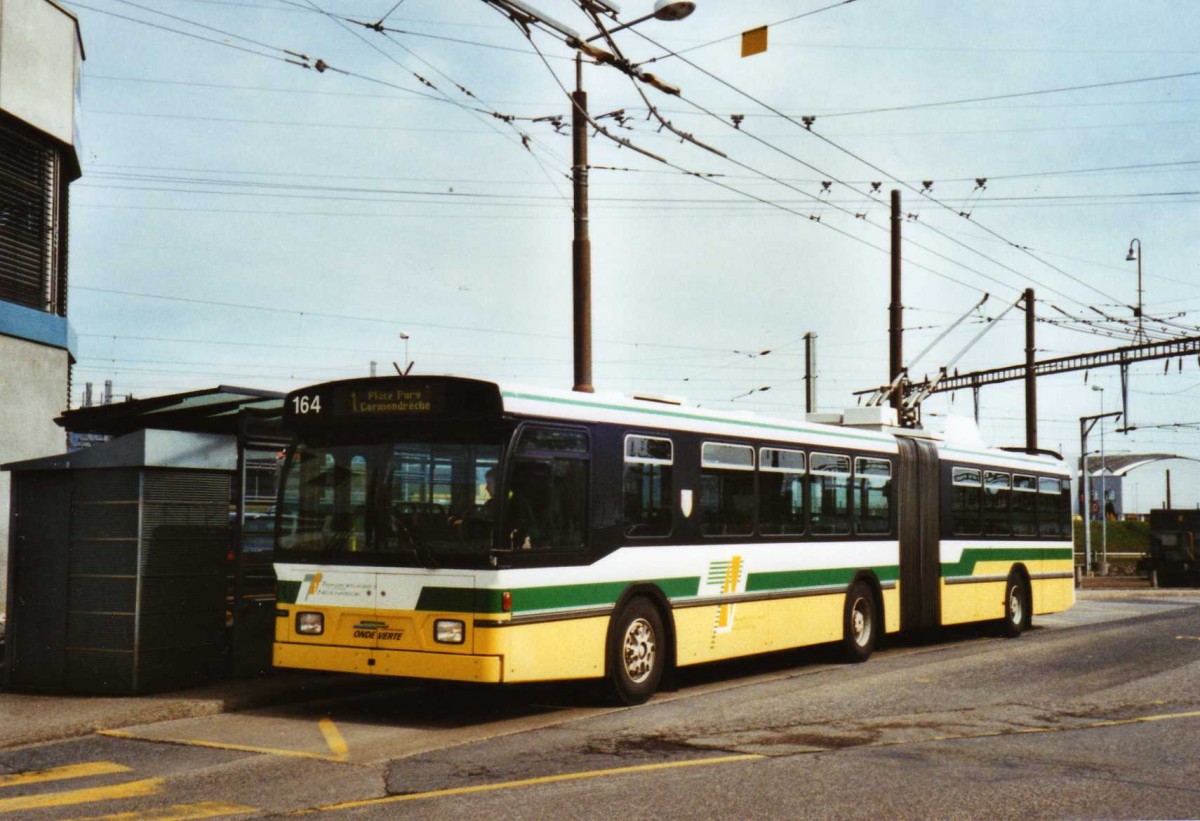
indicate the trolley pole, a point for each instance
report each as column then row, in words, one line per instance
column 581, row 246
column 1031, row 432
column 896, row 315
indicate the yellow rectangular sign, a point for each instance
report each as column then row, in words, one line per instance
column 754, row 41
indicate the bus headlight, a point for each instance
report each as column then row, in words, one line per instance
column 310, row 624
column 449, row 631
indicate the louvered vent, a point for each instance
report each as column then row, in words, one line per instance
column 30, row 273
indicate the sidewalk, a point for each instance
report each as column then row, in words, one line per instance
column 29, row 718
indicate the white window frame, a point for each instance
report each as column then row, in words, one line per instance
column 711, row 463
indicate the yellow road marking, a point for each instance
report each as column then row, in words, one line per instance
column 130, row 789
column 216, row 745
column 529, row 782
column 61, row 773
column 179, row 812
column 334, row 738
column 1188, row 638
column 1095, row 725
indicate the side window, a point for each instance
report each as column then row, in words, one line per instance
column 829, row 494
column 966, row 485
column 873, row 495
column 726, row 489
column 647, row 488
column 1024, row 505
column 780, row 492
column 546, row 498
column 997, row 499
column 1049, row 503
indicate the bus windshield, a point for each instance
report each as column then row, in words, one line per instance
column 418, row 504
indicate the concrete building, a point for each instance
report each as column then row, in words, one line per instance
column 41, row 55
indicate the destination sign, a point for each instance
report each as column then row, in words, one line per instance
column 398, row 400
column 390, row 398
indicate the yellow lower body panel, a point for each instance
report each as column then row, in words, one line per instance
column 445, row 666
column 978, row 601
column 717, row 632
column 722, row 631
column 891, row 609
column 1053, row 595
column 547, row 651
column 984, row 601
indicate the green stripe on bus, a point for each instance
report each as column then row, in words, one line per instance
column 555, row 597
column 973, row 555
column 826, row 577
column 287, row 592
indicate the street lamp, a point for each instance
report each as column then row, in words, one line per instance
column 663, row 10
column 1102, row 562
column 404, row 336
column 1140, row 336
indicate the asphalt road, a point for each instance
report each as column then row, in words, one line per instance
column 1095, row 713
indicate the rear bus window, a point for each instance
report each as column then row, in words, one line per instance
column 1049, row 506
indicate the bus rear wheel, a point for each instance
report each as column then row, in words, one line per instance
column 636, row 652
column 860, row 623
column 1016, row 606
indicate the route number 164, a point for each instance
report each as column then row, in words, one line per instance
column 302, row 405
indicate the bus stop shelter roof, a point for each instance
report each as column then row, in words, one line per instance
column 211, row 410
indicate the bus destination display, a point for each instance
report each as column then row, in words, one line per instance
column 407, row 400
column 367, row 400
column 391, row 398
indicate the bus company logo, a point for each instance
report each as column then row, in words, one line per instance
column 724, row 578
column 313, row 580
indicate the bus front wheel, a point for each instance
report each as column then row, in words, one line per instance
column 860, row 632
column 636, row 652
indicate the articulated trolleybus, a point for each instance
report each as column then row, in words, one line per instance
column 449, row 528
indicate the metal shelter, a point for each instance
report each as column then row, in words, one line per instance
column 143, row 563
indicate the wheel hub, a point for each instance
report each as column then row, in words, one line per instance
column 860, row 622
column 639, row 650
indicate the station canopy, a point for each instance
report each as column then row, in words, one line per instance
column 1120, row 464
column 223, row 409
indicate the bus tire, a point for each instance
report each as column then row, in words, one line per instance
column 636, row 652
column 860, row 623
column 1016, row 606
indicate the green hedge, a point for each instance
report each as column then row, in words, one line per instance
column 1123, row 537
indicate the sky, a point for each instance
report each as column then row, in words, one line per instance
column 245, row 219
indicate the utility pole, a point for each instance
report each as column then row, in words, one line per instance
column 896, row 316
column 810, row 372
column 581, row 246
column 1031, row 432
